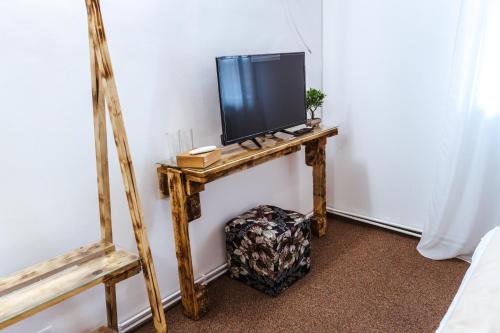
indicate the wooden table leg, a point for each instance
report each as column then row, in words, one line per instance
column 194, row 297
column 316, row 157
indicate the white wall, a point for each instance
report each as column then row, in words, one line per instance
column 163, row 53
column 386, row 66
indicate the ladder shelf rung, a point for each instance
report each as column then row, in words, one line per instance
column 40, row 286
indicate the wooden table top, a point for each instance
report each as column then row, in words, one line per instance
column 235, row 155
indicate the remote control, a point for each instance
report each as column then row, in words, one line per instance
column 302, row 131
column 202, row 150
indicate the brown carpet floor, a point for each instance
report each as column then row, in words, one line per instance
column 362, row 279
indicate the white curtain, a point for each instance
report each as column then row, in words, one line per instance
column 466, row 197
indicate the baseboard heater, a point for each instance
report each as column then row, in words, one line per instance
column 171, row 300
column 376, row 222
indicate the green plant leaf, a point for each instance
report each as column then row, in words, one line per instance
column 314, row 100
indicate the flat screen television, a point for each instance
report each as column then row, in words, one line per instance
column 260, row 94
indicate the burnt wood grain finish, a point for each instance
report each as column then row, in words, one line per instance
column 117, row 278
column 105, row 77
column 193, row 301
column 40, row 286
column 194, row 187
column 250, row 163
column 183, row 185
column 234, row 156
column 103, row 188
column 315, row 157
column 50, row 267
column 162, row 183
column 194, row 206
column 111, row 306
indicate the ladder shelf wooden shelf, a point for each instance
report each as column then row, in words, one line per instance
column 40, row 286
column 48, row 283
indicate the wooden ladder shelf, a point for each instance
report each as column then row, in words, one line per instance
column 40, row 286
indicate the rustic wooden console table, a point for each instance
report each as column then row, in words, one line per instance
column 184, row 185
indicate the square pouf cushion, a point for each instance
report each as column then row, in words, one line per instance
column 268, row 248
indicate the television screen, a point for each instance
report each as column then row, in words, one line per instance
column 260, row 94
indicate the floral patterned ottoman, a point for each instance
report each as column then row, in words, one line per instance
column 268, row 248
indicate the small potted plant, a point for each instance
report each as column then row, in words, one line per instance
column 314, row 100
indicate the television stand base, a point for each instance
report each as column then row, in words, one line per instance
column 257, row 143
column 254, row 140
